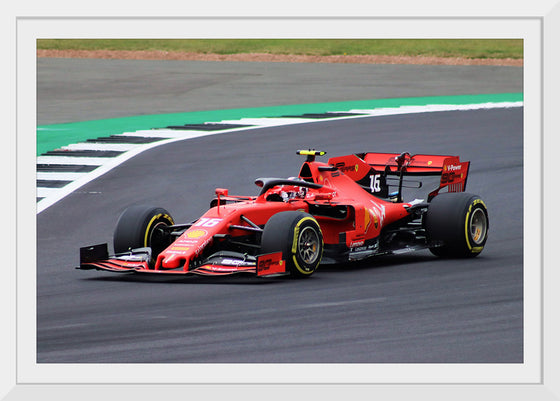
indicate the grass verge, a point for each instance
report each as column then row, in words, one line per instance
column 467, row 48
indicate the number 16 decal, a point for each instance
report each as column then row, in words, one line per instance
column 375, row 183
column 207, row 222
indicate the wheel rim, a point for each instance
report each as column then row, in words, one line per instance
column 308, row 245
column 158, row 241
column 478, row 226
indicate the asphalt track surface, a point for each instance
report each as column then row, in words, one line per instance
column 405, row 309
column 70, row 90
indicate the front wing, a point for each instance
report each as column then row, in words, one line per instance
column 96, row 257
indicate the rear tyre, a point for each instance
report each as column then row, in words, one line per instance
column 298, row 236
column 457, row 224
column 141, row 226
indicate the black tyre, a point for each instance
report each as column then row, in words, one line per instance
column 459, row 223
column 140, row 226
column 298, row 236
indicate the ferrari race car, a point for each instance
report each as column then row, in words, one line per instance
column 347, row 209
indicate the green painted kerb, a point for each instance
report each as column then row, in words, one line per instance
column 50, row 137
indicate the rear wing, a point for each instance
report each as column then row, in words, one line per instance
column 416, row 164
column 372, row 170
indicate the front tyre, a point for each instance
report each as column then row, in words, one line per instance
column 457, row 225
column 142, row 226
column 298, row 236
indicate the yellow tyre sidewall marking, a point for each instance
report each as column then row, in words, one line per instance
column 295, row 242
column 472, row 249
column 157, row 216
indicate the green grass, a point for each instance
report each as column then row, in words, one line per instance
column 469, row 48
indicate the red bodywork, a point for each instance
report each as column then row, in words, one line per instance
column 348, row 196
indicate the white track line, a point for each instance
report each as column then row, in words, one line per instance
column 59, row 176
column 47, row 192
column 434, row 108
column 162, row 133
column 121, row 147
column 52, row 195
column 272, row 121
column 86, row 161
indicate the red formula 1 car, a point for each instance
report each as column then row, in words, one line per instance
column 337, row 211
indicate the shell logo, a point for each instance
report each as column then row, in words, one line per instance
column 367, row 219
column 196, row 233
column 370, row 216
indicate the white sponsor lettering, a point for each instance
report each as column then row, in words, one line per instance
column 233, row 262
